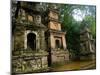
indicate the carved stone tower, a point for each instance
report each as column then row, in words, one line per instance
column 29, row 53
column 87, row 44
column 56, row 38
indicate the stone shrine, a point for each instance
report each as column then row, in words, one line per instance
column 55, row 37
column 37, row 38
column 87, row 44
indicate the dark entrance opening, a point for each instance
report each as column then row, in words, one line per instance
column 49, row 58
column 57, row 44
column 31, row 41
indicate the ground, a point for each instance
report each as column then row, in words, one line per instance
column 75, row 65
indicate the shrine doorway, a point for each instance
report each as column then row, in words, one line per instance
column 31, row 41
column 57, row 43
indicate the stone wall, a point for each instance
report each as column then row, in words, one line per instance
column 30, row 64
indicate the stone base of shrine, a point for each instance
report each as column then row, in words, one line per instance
column 59, row 56
column 27, row 63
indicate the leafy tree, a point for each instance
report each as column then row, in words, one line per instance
column 72, row 26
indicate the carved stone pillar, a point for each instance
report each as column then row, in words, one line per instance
column 38, row 41
column 42, row 40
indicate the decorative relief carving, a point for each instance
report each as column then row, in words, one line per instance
column 30, row 18
column 38, row 19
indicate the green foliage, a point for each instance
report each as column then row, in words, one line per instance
column 90, row 20
column 72, row 26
